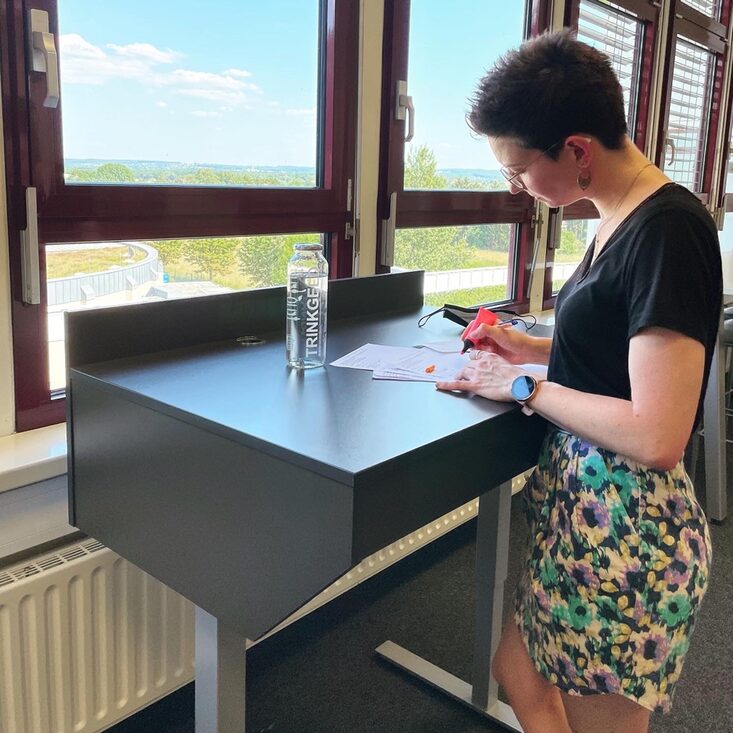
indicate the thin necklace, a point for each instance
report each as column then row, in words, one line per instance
column 620, row 201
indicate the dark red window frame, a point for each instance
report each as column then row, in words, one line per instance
column 445, row 208
column 690, row 23
column 647, row 14
column 34, row 157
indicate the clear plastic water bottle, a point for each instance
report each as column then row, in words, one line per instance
column 307, row 296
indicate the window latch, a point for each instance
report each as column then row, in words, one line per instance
column 42, row 54
column 388, row 232
column 403, row 106
column 29, row 264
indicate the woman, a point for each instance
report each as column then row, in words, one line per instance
column 619, row 546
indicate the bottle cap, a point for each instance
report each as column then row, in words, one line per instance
column 308, row 246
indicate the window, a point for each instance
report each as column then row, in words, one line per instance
column 620, row 35
column 575, row 238
column 692, row 78
column 691, row 102
column 171, row 131
column 94, row 274
column 626, row 31
column 445, row 206
column 464, row 265
column 167, row 107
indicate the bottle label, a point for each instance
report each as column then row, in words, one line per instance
column 313, row 316
column 305, row 339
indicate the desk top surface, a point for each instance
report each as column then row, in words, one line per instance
column 335, row 421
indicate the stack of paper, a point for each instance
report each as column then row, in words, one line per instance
column 422, row 364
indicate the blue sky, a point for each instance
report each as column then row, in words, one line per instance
column 234, row 81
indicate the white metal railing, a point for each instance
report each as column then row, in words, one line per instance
column 480, row 277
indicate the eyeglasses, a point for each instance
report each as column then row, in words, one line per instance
column 514, row 177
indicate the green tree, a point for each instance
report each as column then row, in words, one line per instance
column 264, row 259
column 431, row 248
column 494, row 237
column 421, row 170
column 81, row 175
column 438, row 248
column 204, row 177
column 170, row 250
column 570, row 244
column 211, row 256
column 114, row 173
column 465, row 183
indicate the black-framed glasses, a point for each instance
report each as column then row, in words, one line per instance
column 513, row 178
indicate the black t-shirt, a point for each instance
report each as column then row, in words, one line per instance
column 661, row 267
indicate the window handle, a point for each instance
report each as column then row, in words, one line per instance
column 43, row 56
column 669, row 143
column 404, row 106
column 29, row 262
column 388, row 232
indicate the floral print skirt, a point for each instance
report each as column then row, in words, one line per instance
column 618, row 564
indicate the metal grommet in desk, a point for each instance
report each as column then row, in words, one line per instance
column 249, row 340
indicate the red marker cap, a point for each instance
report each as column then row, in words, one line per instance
column 484, row 315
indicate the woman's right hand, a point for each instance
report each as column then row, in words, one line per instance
column 511, row 344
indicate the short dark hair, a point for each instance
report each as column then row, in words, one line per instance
column 550, row 87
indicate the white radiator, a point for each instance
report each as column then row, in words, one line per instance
column 87, row 639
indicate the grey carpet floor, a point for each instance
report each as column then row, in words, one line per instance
column 321, row 675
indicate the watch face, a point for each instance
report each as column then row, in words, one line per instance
column 522, row 388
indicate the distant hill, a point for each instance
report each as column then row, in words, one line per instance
column 483, row 174
column 145, row 169
column 145, row 165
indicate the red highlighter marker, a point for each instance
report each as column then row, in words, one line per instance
column 484, row 316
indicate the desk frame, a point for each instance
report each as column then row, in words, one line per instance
column 492, row 553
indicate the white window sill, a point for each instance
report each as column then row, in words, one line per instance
column 33, row 456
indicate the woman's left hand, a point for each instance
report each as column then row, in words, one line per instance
column 487, row 375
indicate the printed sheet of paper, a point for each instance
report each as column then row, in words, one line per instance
column 423, row 365
column 409, row 364
column 452, row 346
column 372, row 356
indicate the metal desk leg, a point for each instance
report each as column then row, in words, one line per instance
column 220, row 670
column 714, row 426
column 492, row 549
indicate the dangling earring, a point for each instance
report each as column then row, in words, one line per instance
column 584, row 179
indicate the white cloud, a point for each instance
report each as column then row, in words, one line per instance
column 205, row 113
column 310, row 112
column 220, row 88
column 237, row 72
column 84, row 63
column 162, row 105
column 146, row 51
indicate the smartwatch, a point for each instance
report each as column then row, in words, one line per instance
column 524, row 388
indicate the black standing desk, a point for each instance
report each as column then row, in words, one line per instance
column 248, row 487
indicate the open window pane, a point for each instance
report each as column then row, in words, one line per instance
column 173, row 93
column 726, row 235
column 711, row 8
column 575, row 238
column 726, row 251
column 121, row 273
column 441, row 81
column 464, row 265
column 619, row 35
column 692, row 77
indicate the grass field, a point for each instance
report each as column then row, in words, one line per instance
column 66, row 264
column 89, row 261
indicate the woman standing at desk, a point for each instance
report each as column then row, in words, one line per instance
column 619, row 547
